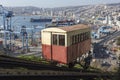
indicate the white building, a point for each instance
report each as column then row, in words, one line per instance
column 108, row 20
column 118, row 25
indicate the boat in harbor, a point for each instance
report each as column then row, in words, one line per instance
column 57, row 23
column 41, row 20
column 64, row 22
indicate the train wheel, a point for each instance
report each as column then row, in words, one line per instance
column 54, row 63
column 71, row 65
column 86, row 66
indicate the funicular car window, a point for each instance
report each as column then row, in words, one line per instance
column 81, row 36
column 62, row 40
column 73, row 39
column 89, row 34
column 54, row 36
column 86, row 36
column 76, row 40
column 58, row 39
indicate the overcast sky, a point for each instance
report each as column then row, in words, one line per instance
column 53, row 3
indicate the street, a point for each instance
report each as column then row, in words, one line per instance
column 102, row 56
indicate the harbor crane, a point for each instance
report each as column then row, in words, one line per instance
column 7, row 18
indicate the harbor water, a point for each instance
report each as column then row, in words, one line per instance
column 19, row 21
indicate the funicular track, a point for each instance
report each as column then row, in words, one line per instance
column 7, row 61
column 40, row 70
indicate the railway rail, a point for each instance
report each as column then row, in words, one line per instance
column 7, row 61
column 11, row 62
column 110, row 37
column 51, row 75
column 38, row 71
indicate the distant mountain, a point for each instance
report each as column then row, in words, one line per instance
column 37, row 8
column 23, row 7
column 23, row 10
column 114, row 4
column 32, row 9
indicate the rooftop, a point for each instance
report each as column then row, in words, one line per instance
column 66, row 28
column 73, row 27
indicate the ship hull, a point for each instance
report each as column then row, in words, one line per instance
column 40, row 20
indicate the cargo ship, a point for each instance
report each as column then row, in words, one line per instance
column 57, row 23
column 64, row 22
column 41, row 20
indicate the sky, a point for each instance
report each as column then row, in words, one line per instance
column 53, row 3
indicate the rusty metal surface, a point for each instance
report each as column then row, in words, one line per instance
column 52, row 74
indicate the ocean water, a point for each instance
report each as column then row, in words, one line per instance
column 19, row 21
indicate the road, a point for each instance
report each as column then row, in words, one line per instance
column 99, row 49
column 109, row 37
column 102, row 55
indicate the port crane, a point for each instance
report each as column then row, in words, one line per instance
column 7, row 30
column 7, row 18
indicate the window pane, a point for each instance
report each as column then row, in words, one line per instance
column 54, row 39
column 62, row 40
column 76, row 39
column 89, row 34
column 73, row 39
column 86, row 36
column 81, row 36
